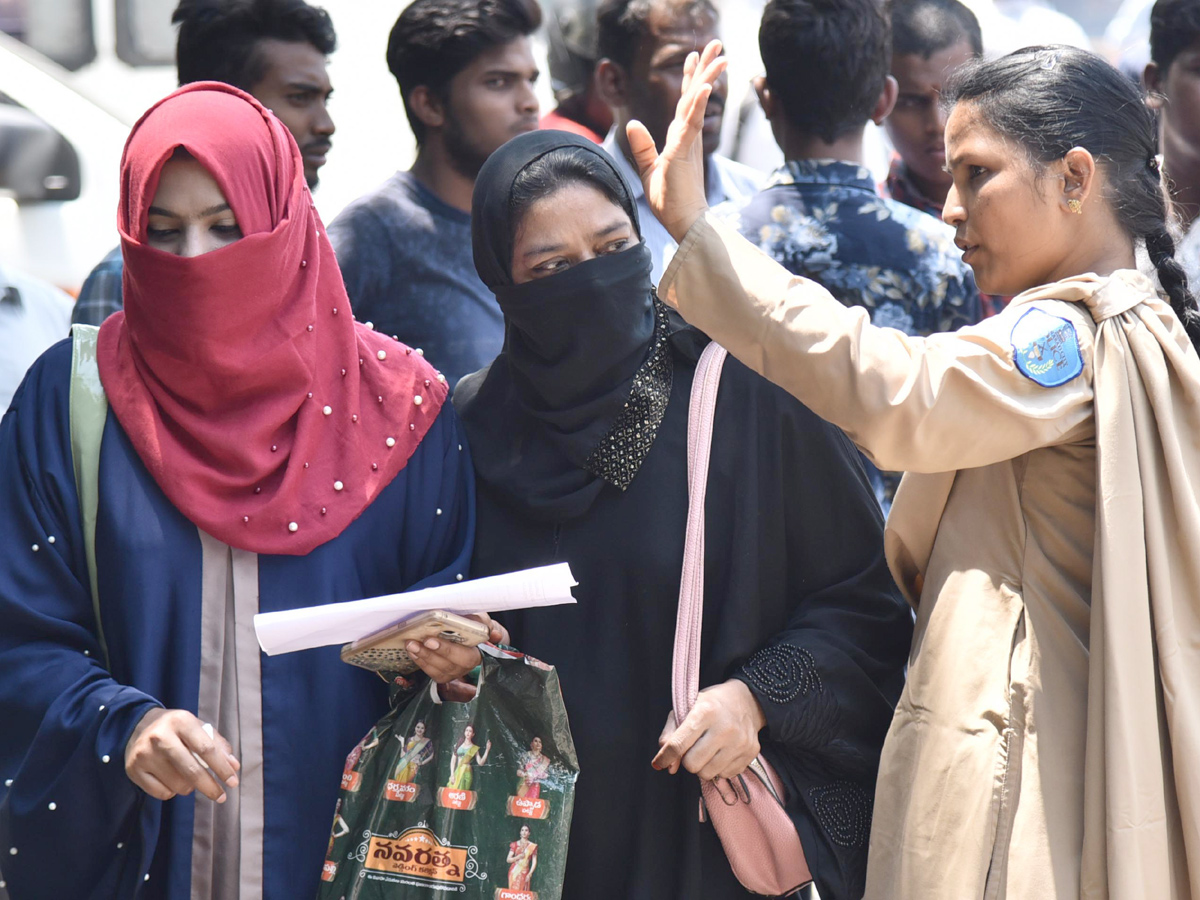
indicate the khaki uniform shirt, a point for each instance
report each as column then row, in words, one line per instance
column 981, row 786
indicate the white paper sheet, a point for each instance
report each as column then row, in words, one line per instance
column 340, row 623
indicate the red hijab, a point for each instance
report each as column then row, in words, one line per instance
column 263, row 411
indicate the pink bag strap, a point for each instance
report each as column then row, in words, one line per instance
column 685, row 681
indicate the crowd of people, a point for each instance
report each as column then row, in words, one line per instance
column 978, row 680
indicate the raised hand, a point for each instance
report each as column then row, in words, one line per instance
column 674, row 179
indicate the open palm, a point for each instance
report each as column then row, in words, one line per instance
column 674, row 179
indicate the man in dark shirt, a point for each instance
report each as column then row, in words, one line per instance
column 466, row 74
column 275, row 50
column 820, row 214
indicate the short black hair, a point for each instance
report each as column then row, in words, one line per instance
column 434, row 40
column 1174, row 26
column 218, row 39
column 925, row 27
column 620, row 24
column 826, row 61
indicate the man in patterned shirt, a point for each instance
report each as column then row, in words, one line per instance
column 820, row 214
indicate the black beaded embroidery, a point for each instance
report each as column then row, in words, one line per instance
column 782, row 672
column 621, row 451
column 844, row 810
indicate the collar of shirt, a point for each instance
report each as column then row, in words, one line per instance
column 823, row 171
column 716, row 187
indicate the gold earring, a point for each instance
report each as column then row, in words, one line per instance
column 1075, row 206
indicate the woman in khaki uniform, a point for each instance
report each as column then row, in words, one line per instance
column 1047, row 744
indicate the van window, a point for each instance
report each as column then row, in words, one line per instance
column 59, row 29
column 145, row 35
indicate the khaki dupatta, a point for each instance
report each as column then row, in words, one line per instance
column 1142, row 773
column 1142, row 769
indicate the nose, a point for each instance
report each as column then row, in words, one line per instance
column 953, row 212
column 527, row 101
column 194, row 243
column 323, row 125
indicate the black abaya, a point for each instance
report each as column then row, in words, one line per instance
column 578, row 432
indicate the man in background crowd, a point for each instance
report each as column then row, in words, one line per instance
column 571, row 32
column 930, row 40
column 643, row 45
column 275, row 50
column 820, row 214
column 1173, row 78
column 466, row 74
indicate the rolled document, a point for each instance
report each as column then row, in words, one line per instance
column 340, row 623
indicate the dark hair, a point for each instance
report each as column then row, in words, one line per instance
column 434, row 40
column 562, row 167
column 1174, row 26
column 620, row 24
column 826, row 61
column 218, row 39
column 1052, row 99
column 924, row 27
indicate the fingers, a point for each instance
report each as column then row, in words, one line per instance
column 443, row 661
column 497, row 633
column 641, row 145
column 679, row 742
column 151, row 785
column 667, row 729
column 211, row 748
column 168, row 754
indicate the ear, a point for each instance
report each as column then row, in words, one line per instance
column 886, row 101
column 770, row 106
column 1079, row 177
column 611, row 84
column 1152, row 78
column 427, row 106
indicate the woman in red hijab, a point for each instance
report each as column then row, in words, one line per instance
column 260, row 451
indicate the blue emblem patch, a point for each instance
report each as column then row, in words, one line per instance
column 1046, row 348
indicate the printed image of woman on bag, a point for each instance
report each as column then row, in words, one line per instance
column 579, row 433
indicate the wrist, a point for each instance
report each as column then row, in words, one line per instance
column 750, row 705
column 681, row 226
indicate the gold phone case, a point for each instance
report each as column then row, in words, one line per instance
column 384, row 650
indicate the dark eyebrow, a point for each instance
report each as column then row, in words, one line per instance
column 554, row 248
column 211, row 211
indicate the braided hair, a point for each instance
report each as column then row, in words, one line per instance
column 1052, row 99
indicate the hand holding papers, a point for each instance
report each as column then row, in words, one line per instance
column 340, row 623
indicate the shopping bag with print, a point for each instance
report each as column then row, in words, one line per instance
column 472, row 799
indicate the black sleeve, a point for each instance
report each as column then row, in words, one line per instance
column 828, row 683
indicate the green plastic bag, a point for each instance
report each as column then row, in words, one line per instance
column 472, row 799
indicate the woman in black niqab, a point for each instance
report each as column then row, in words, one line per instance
column 578, row 431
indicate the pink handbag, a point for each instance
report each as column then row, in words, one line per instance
column 756, row 832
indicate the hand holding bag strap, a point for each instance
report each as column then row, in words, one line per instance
column 88, row 412
column 759, row 839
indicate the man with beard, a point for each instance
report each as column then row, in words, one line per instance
column 275, row 50
column 466, row 74
column 643, row 45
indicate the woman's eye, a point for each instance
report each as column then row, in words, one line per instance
column 551, row 265
column 616, row 246
column 227, row 230
column 974, row 172
column 160, row 233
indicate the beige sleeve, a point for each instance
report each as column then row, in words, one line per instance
column 936, row 404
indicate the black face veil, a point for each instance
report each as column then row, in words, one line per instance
column 574, row 399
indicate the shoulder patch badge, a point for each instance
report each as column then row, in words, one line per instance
column 1046, row 348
